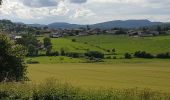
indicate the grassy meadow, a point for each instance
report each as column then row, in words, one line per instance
column 113, row 79
column 115, row 73
column 121, row 43
column 154, row 75
column 124, row 44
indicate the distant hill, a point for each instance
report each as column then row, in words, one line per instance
column 64, row 25
column 125, row 24
column 104, row 25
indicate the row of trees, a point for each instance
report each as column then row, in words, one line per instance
column 34, row 45
column 143, row 54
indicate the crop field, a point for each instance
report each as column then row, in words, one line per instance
column 154, row 75
column 112, row 73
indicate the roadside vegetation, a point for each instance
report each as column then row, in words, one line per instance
column 51, row 90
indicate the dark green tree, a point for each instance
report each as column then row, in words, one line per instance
column 32, row 51
column 0, row 2
column 128, row 56
column 12, row 66
column 47, row 45
column 47, row 42
column 48, row 50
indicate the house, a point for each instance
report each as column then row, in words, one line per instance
column 133, row 33
column 55, row 35
column 155, row 33
column 83, row 34
column 17, row 37
column 142, row 33
column 111, row 31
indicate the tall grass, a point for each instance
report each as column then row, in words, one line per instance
column 53, row 90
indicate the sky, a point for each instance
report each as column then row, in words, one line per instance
column 84, row 11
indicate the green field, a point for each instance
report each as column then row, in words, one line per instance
column 154, row 75
column 115, row 73
column 122, row 44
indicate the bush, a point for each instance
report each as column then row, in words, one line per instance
column 30, row 61
column 108, row 57
column 114, row 57
column 73, row 40
column 94, row 54
column 128, row 56
column 63, row 51
column 108, row 50
column 56, row 53
column 163, row 55
column 143, row 54
column 74, row 54
column 51, row 90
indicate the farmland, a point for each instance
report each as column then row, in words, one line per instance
column 112, row 73
column 154, row 75
column 122, row 44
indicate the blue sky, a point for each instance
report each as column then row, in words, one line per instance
column 84, row 11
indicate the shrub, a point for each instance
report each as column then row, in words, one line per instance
column 114, row 57
column 163, row 55
column 30, row 61
column 94, row 54
column 128, row 56
column 108, row 50
column 74, row 54
column 92, row 59
column 143, row 54
column 73, row 40
column 108, row 57
column 63, row 51
column 56, row 53
column 51, row 90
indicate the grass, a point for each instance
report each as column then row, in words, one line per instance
column 124, row 44
column 121, row 43
column 121, row 74
column 52, row 90
column 55, row 60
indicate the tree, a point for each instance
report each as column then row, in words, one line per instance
column 94, row 54
column 159, row 29
column 120, row 32
column 48, row 50
column 62, row 52
column 47, row 45
column 0, row 2
column 143, row 54
column 12, row 66
column 113, row 50
column 32, row 51
column 128, row 56
column 47, row 42
column 27, row 39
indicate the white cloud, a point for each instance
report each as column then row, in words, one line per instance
column 61, row 10
column 84, row 11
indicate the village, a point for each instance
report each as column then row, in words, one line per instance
column 16, row 30
column 58, row 33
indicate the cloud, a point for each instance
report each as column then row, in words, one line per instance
column 40, row 3
column 78, row 1
column 82, row 12
column 85, row 11
column 61, row 10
